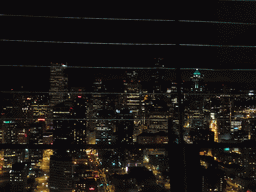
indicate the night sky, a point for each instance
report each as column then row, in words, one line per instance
column 45, row 29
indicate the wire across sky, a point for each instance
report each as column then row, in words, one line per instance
column 109, row 43
column 125, row 19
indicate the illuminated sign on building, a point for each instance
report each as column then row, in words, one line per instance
column 7, row 121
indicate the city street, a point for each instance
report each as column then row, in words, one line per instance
column 232, row 186
column 42, row 184
column 45, row 167
column 159, row 178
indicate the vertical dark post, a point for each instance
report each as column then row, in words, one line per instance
column 178, row 179
column 181, row 140
column 180, row 109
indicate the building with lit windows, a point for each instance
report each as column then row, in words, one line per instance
column 157, row 80
column 196, row 79
column 18, row 177
column 124, row 127
column 78, row 111
column 48, row 138
column 134, row 99
column 157, row 121
column 1, row 136
column 101, row 108
column 58, row 88
column 195, row 112
column 61, row 126
column 153, row 138
column 60, row 172
column 35, row 137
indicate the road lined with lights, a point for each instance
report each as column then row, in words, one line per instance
column 42, row 182
column 159, row 177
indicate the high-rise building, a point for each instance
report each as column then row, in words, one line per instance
column 101, row 109
column 195, row 116
column 60, row 172
column 133, row 99
column 124, row 127
column 197, row 78
column 79, row 112
column 18, row 177
column 157, row 79
column 61, row 124
column 58, row 88
column 35, row 137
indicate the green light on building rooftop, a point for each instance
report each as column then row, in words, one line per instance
column 7, row 121
column 196, row 72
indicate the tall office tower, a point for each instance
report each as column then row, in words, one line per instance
column 195, row 116
column 197, row 78
column 101, row 108
column 225, row 124
column 12, row 108
column 157, row 112
column 58, row 89
column 60, row 172
column 35, row 137
column 13, row 134
column 157, row 79
column 79, row 112
column 172, row 101
column 133, row 100
column 34, row 107
column 95, row 103
column 61, row 123
column 18, row 177
column 124, row 128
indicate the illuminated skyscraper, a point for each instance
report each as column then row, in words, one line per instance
column 58, row 88
column 157, row 80
column 100, row 108
column 197, row 77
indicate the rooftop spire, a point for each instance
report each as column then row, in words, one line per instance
column 196, row 72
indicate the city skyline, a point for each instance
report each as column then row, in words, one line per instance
column 147, row 127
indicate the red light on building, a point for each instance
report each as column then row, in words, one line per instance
column 51, row 143
column 11, row 89
column 91, row 189
column 25, row 135
column 79, row 96
column 41, row 119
